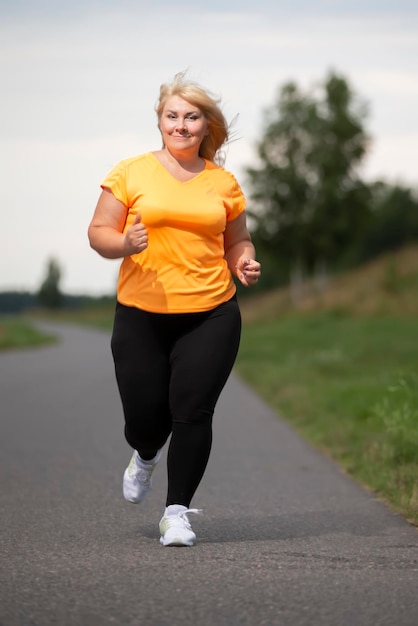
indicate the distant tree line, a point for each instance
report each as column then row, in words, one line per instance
column 12, row 302
column 311, row 212
column 49, row 296
column 17, row 301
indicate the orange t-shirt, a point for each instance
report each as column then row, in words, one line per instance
column 183, row 269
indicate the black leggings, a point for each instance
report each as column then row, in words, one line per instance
column 170, row 370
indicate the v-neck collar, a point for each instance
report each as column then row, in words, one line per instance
column 180, row 182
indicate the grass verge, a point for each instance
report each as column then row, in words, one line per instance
column 16, row 332
column 349, row 385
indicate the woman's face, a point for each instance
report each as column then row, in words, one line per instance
column 183, row 126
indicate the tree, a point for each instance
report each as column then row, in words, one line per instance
column 395, row 220
column 49, row 294
column 307, row 196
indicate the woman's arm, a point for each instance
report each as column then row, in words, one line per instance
column 240, row 252
column 105, row 231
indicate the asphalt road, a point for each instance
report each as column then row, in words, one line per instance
column 286, row 538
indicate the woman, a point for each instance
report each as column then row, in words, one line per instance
column 178, row 221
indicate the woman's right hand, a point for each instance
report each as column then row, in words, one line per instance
column 136, row 237
column 106, row 229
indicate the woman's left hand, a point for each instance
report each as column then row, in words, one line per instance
column 248, row 271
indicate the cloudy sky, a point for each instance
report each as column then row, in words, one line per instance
column 79, row 82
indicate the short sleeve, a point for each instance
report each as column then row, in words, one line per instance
column 116, row 181
column 236, row 202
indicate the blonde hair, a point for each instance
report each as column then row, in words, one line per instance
column 218, row 130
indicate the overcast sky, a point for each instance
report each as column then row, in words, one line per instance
column 79, row 81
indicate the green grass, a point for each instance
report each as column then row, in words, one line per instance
column 349, row 385
column 16, row 332
column 95, row 316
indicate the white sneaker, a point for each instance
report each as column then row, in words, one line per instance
column 137, row 477
column 175, row 527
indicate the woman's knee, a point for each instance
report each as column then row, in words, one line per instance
column 144, row 438
column 193, row 416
